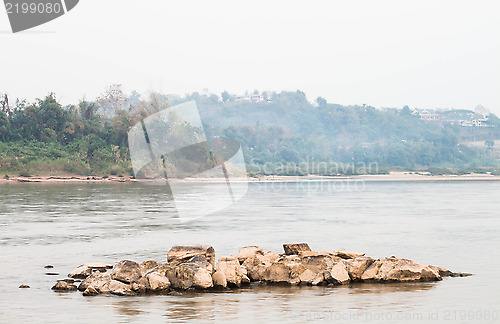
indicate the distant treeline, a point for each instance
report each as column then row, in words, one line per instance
column 280, row 133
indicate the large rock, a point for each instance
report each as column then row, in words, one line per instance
column 182, row 253
column 120, row 288
column 126, row 271
column 232, row 270
column 257, row 265
column 63, row 285
column 397, row 269
column 357, row 266
column 157, row 281
column 248, row 252
column 97, row 280
column 337, row 274
column 190, row 275
column 296, row 248
column 147, row 266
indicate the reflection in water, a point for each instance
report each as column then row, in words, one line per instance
column 290, row 302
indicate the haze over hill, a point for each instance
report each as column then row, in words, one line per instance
column 280, row 133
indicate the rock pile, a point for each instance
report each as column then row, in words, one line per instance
column 193, row 267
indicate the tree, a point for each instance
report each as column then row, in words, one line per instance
column 4, row 126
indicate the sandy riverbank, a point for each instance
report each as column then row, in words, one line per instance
column 393, row 176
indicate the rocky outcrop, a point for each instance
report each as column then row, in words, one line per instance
column 192, row 267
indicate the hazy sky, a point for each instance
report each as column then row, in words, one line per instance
column 428, row 54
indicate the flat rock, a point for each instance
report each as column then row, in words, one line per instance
column 295, row 248
column 347, row 255
column 182, row 253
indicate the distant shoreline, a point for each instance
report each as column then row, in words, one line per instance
column 392, row 177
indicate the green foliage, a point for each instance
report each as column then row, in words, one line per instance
column 286, row 133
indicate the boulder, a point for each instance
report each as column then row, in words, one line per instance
column 126, row 271
column 278, row 272
column 231, row 268
column 120, row 288
column 337, row 274
column 141, row 285
column 97, row 280
column 357, row 266
column 296, row 248
column 189, row 275
column 147, row 266
column 158, row 282
column 182, row 253
column 63, row 285
column 257, row 265
column 219, row 279
column 319, row 263
column 248, row 252
column 347, row 255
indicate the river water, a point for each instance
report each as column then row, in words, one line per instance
column 450, row 224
